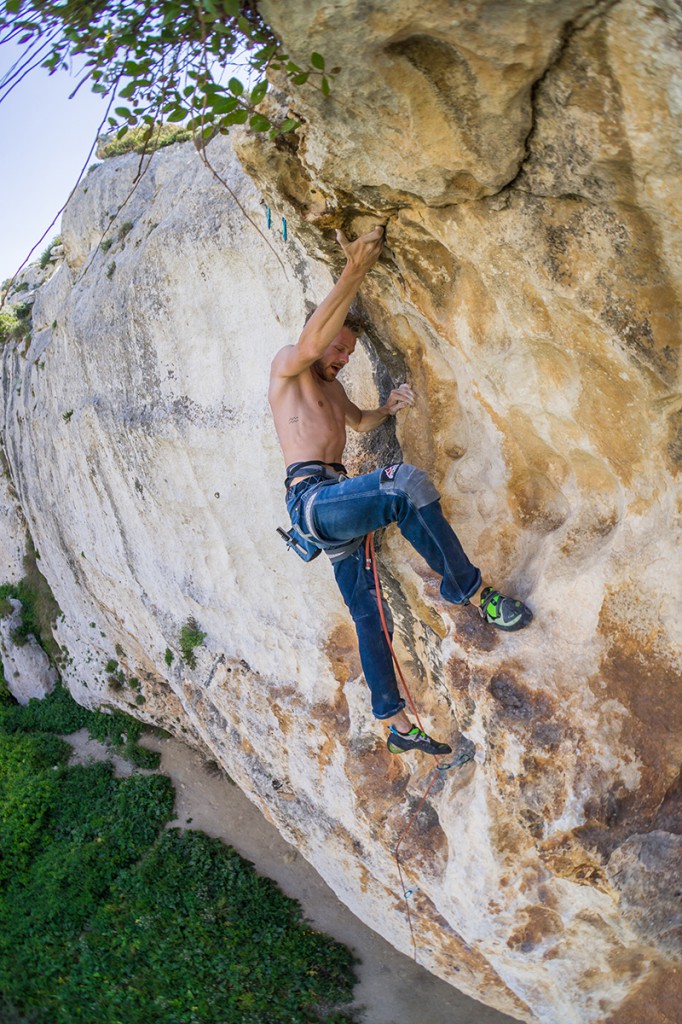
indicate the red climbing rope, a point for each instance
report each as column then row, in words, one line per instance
column 440, row 766
column 370, row 559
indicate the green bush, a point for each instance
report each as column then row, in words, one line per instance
column 190, row 638
column 45, row 254
column 59, row 713
column 13, row 326
column 106, row 917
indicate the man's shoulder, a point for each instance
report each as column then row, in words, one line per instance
column 281, row 377
column 281, row 354
column 279, row 365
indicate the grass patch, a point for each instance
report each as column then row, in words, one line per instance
column 124, row 230
column 107, row 917
column 137, row 141
column 190, row 638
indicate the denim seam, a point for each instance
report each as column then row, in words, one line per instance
column 428, row 530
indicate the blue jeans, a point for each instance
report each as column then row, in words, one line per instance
column 336, row 511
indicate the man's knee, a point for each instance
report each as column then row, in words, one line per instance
column 412, row 481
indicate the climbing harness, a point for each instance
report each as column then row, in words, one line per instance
column 440, row 766
column 302, row 537
column 303, row 547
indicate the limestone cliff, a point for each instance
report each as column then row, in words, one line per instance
column 526, row 158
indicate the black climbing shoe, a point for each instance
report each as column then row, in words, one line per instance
column 415, row 739
column 504, row 612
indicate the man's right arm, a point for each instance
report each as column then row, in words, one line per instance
column 328, row 318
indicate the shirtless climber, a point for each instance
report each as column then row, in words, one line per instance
column 311, row 412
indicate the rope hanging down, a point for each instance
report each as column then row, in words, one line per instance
column 439, row 766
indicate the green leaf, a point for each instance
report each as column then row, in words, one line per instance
column 317, row 61
column 122, row 112
column 13, row 6
column 122, row 131
column 326, row 88
column 178, row 115
column 238, row 117
column 301, row 79
column 258, row 93
column 224, row 104
column 288, row 126
column 263, row 54
column 235, row 86
column 127, row 91
column 259, row 123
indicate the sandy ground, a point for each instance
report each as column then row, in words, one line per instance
column 392, row 988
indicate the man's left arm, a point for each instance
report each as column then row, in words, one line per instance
column 363, row 420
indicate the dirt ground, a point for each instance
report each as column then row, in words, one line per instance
column 392, row 988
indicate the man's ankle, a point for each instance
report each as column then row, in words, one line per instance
column 400, row 722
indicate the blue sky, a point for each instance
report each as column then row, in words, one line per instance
column 46, row 138
column 45, row 141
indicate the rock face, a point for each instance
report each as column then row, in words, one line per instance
column 526, row 158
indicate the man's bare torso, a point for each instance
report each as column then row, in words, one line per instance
column 310, row 417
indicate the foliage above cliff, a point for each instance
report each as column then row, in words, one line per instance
column 164, row 60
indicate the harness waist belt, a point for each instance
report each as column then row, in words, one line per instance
column 311, row 468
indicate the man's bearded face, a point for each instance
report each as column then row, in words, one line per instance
column 336, row 355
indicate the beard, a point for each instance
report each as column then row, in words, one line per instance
column 327, row 373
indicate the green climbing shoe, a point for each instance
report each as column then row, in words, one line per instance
column 415, row 739
column 504, row 612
